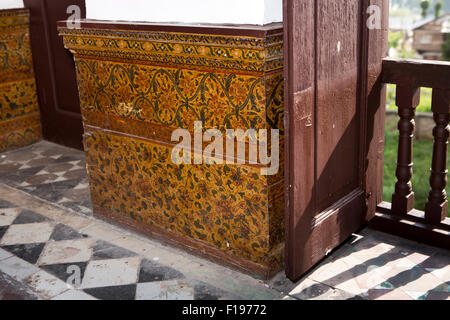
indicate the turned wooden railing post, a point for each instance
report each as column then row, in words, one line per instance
column 437, row 205
column 407, row 99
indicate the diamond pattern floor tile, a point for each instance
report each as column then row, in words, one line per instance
column 17, row 268
column 115, row 272
column 74, row 295
column 46, row 284
column 104, row 250
column 63, row 232
column 27, row 233
column 67, row 271
column 28, row 216
column 125, row 292
column 165, row 290
column 7, row 216
column 67, row 251
column 29, row 252
column 72, row 257
column 151, row 271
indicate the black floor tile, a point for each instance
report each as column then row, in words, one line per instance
column 127, row 292
column 64, row 271
column 204, row 291
column 6, row 204
column 3, row 231
column 28, row 216
column 28, row 252
column 151, row 271
column 104, row 250
column 19, row 176
column 51, row 191
column 63, row 232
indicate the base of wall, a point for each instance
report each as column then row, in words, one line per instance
column 20, row 132
column 194, row 247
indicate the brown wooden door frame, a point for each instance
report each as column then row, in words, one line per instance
column 318, row 221
column 55, row 72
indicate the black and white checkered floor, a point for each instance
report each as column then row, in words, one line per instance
column 60, row 262
column 52, row 248
column 51, row 172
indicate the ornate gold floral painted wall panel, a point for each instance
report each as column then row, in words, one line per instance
column 19, row 110
column 138, row 86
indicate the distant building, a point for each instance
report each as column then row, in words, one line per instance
column 429, row 34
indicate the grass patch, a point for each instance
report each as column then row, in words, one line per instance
column 425, row 99
column 423, row 151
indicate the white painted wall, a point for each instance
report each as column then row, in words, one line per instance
column 11, row 4
column 257, row 12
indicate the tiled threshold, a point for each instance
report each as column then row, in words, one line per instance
column 47, row 229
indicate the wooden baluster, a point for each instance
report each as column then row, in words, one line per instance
column 407, row 99
column 437, row 204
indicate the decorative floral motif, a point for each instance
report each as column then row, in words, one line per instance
column 177, row 97
column 137, row 87
column 225, row 205
column 214, row 51
column 19, row 111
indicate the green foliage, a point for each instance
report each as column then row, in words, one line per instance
column 446, row 49
column 424, row 5
column 438, row 9
column 423, row 151
column 394, row 39
column 425, row 99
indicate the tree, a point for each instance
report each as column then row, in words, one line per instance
column 425, row 5
column 446, row 49
column 438, row 9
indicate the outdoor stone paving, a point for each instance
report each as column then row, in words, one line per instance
column 52, row 248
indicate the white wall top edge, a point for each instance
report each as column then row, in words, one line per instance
column 11, row 4
column 256, row 12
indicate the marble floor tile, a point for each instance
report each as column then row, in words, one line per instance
column 165, row 290
column 29, row 216
column 63, row 232
column 46, row 284
column 29, row 252
column 71, row 273
column 104, row 250
column 28, row 233
column 102, row 231
column 17, row 268
column 57, row 252
column 116, row 272
column 151, row 271
column 7, row 216
column 123, row 292
column 74, row 295
column 4, row 254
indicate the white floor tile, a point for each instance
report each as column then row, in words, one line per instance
column 46, row 284
column 164, row 290
column 67, row 251
column 115, row 272
column 17, row 268
column 7, row 216
column 74, row 295
column 4, row 254
column 28, row 233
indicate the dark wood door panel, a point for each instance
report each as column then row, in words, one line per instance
column 55, row 72
column 338, row 68
column 333, row 128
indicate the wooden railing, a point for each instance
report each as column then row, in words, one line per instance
column 409, row 76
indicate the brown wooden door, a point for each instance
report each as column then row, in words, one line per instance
column 334, row 124
column 55, row 72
